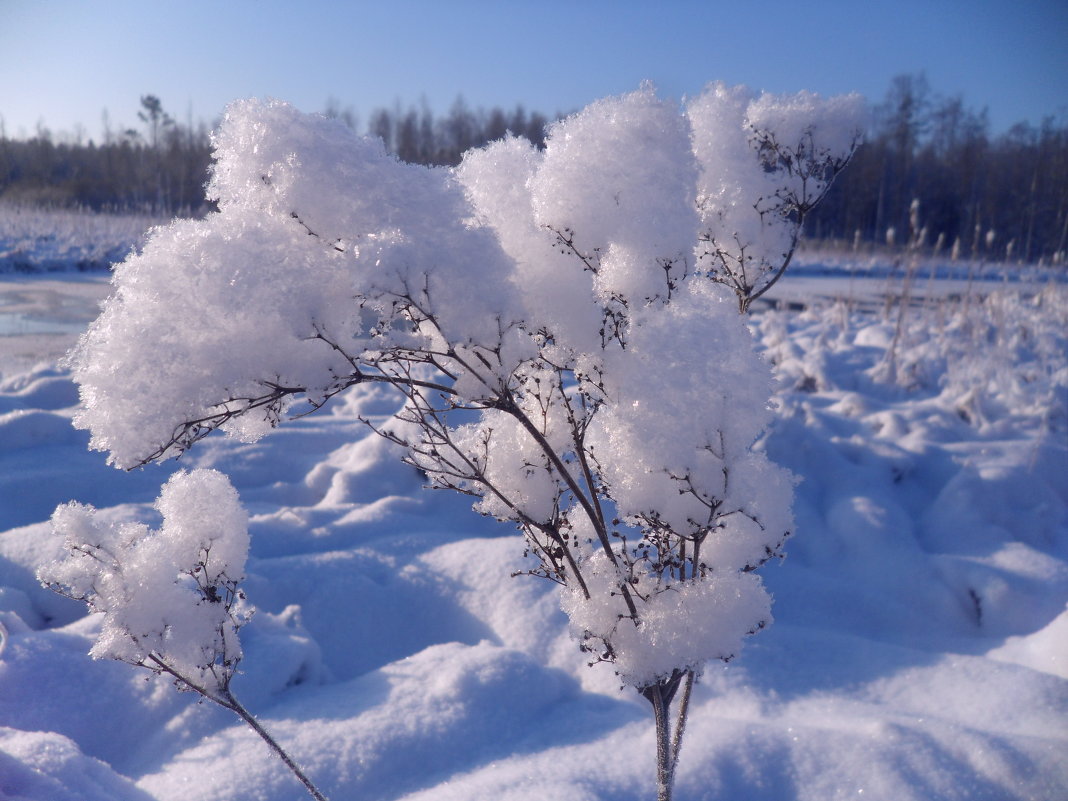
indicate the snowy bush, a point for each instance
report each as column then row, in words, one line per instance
column 753, row 209
column 1005, row 356
column 991, row 357
column 548, row 317
column 170, row 598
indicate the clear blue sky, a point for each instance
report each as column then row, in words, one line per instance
column 63, row 62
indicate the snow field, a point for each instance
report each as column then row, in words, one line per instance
column 42, row 240
column 918, row 649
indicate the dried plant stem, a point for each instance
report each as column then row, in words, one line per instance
column 235, row 706
column 227, row 700
column 668, row 743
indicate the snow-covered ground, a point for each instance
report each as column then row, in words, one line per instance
column 34, row 240
column 920, row 648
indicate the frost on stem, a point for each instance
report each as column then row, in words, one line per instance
column 562, row 325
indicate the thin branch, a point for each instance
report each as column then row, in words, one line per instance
column 254, row 724
column 508, row 405
column 794, row 239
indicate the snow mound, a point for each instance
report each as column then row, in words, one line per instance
column 39, row 765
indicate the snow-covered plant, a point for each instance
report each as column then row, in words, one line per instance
column 548, row 317
column 170, row 597
column 990, row 356
column 766, row 163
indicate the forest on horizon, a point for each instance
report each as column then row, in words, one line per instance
column 979, row 195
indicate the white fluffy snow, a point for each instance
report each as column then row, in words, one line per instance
column 629, row 427
column 169, row 598
column 918, row 650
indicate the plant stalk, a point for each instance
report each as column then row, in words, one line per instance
column 230, row 702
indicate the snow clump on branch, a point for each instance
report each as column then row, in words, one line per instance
column 169, row 597
column 562, row 324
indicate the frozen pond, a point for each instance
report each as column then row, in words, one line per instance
column 42, row 316
column 871, row 291
column 17, row 324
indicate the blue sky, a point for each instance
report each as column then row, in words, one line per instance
column 63, row 62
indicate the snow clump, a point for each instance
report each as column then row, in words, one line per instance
column 169, row 597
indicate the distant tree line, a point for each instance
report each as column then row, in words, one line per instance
column 979, row 195
column 416, row 136
column 160, row 167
